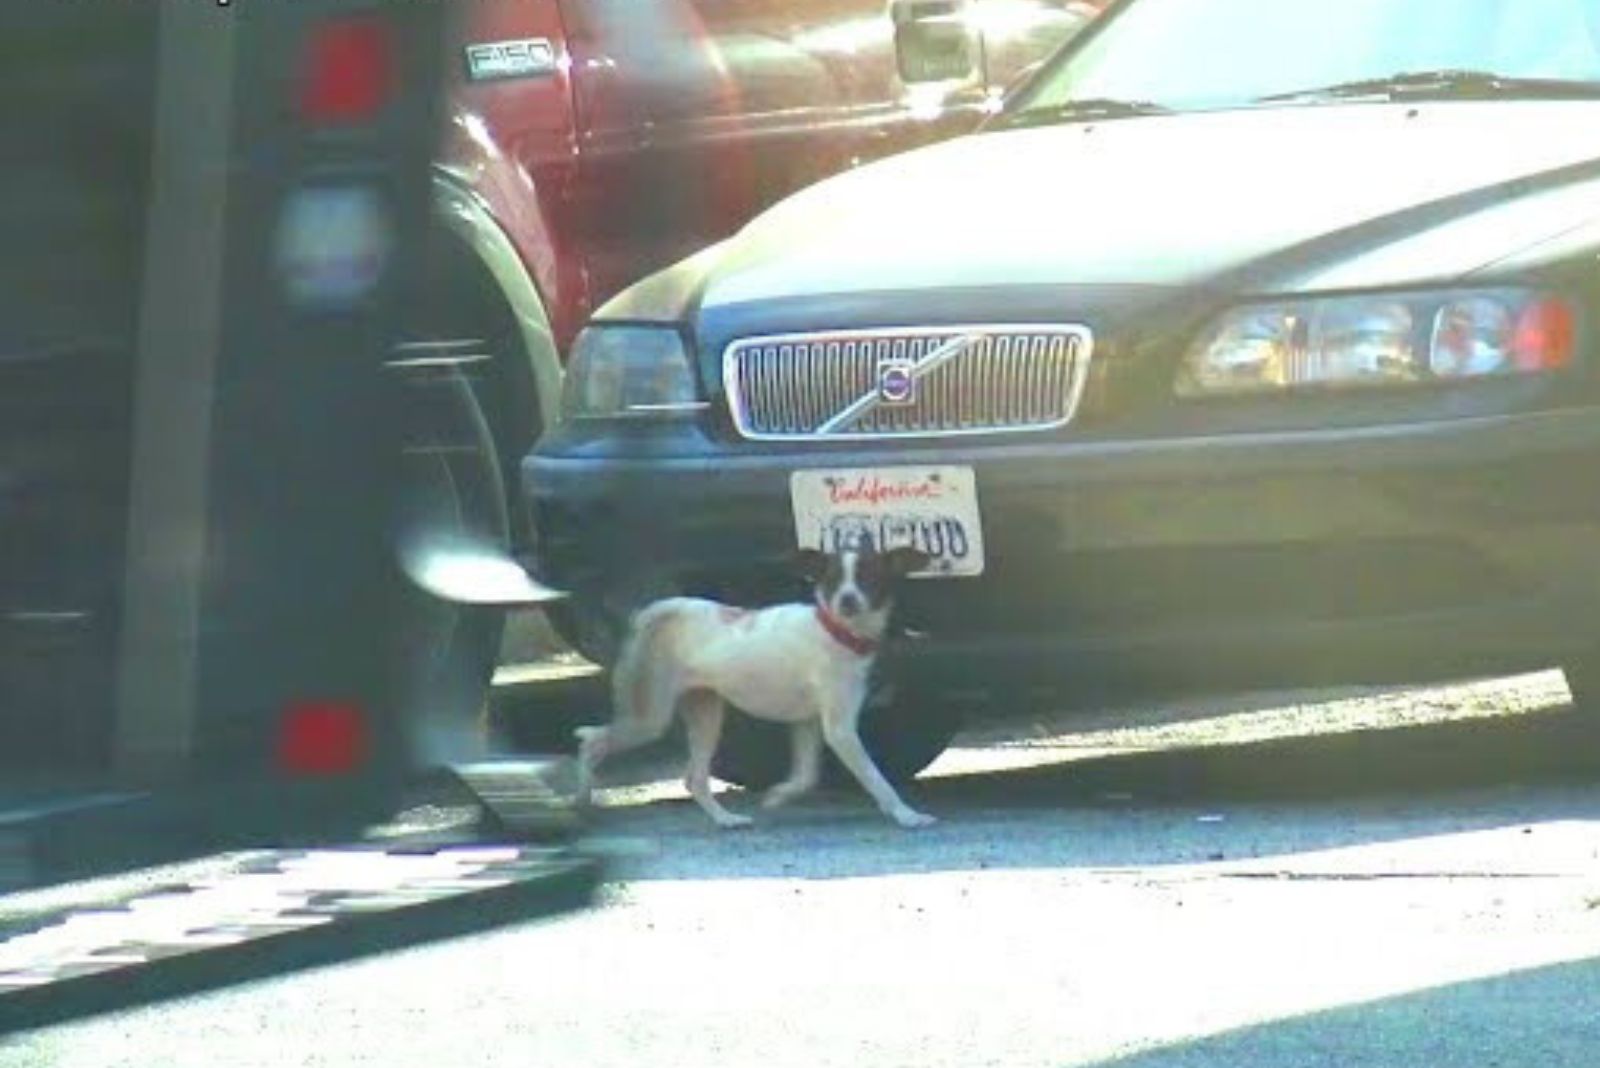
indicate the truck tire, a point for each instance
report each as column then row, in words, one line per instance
column 903, row 730
column 459, row 309
column 457, row 442
column 591, row 630
column 449, row 487
column 595, row 621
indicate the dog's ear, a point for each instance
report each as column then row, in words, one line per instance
column 812, row 563
column 906, row 560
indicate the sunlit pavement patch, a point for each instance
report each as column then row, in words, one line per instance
column 271, row 912
column 1225, row 720
column 1270, row 717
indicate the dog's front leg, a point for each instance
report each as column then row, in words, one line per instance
column 839, row 728
column 702, row 720
column 806, row 766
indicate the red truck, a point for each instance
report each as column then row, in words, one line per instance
column 590, row 142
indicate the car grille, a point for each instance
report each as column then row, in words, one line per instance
column 906, row 382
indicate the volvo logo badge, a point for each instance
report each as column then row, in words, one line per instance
column 896, row 382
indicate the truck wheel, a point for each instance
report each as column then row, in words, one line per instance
column 449, row 488
column 452, row 485
column 458, row 310
column 904, row 732
column 595, row 622
column 592, row 631
column 447, row 662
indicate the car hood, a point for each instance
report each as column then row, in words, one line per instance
column 1256, row 199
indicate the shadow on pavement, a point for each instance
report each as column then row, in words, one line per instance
column 1284, row 797
column 1547, row 1016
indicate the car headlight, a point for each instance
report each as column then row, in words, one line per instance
column 1380, row 340
column 618, row 371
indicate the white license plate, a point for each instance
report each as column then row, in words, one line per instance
column 932, row 508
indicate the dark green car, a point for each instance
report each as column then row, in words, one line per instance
column 1269, row 371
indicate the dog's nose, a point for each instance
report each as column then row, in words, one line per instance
column 849, row 604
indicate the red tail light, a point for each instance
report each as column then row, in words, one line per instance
column 1544, row 335
column 348, row 74
column 322, row 738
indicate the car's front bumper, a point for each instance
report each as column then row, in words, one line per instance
column 1408, row 550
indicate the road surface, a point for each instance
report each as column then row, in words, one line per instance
column 1410, row 878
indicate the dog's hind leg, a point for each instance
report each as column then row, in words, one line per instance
column 593, row 745
column 643, row 697
column 597, row 743
column 623, row 733
column 805, row 767
column 702, row 719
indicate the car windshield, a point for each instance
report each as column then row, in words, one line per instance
column 1188, row 55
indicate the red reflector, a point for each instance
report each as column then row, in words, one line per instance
column 348, row 72
column 1544, row 336
column 322, row 738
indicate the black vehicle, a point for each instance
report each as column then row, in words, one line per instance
column 209, row 217
column 1193, row 373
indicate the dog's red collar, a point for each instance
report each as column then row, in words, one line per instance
column 844, row 635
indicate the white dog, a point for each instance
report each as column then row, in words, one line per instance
column 805, row 665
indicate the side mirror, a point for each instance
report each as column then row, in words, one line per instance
column 935, row 41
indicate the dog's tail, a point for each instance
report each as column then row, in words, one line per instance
column 630, row 677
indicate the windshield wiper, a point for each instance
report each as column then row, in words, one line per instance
column 1078, row 111
column 1445, row 85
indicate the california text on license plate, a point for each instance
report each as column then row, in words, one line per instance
column 932, row 508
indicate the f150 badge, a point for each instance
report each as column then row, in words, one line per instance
column 527, row 58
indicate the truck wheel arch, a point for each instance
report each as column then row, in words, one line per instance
column 460, row 212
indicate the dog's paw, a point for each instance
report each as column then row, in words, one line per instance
column 730, row 822
column 911, row 819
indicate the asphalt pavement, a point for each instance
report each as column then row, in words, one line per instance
column 1398, row 878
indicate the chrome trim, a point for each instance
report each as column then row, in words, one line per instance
column 528, row 57
column 1023, row 401
column 669, row 408
column 872, row 399
column 48, row 617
